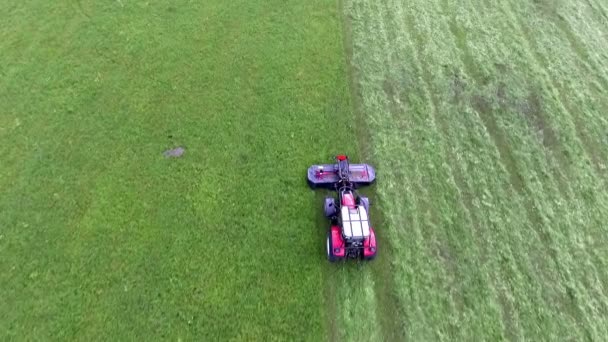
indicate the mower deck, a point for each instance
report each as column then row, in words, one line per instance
column 327, row 175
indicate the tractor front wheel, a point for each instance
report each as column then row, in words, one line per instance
column 330, row 207
column 365, row 202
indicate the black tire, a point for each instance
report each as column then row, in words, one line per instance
column 330, row 207
column 365, row 203
column 329, row 250
column 311, row 184
column 370, row 258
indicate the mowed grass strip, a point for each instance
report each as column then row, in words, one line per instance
column 486, row 119
column 100, row 235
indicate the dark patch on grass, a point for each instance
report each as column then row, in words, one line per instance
column 547, row 7
column 532, row 109
column 588, row 145
column 458, row 87
column 599, row 9
column 501, row 67
column 484, row 108
column 501, row 93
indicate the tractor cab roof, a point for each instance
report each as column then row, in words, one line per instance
column 355, row 222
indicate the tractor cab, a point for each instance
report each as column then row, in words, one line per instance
column 355, row 223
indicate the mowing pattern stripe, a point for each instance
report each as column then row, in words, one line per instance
column 487, row 120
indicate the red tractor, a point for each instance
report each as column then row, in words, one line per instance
column 351, row 234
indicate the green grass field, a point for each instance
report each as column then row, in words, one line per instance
column 486, row 121
column 103, row 236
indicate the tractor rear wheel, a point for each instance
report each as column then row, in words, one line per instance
column 330, row 250
column 369, row 257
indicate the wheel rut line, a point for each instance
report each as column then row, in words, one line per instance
column 585, row 143
column 483, row 109
column 396, row 107
column 538, row 121
column 566, row 110
column 579, row 50
column 510, row 317
column 602, row 11
column 397, row 331
column 455, row 174
column 517, row 183
column 331, row 312
column 577, row 45
column 384, row 283
column 564, row 188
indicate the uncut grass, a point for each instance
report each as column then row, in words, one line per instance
column 102, row 236
column 485, row 124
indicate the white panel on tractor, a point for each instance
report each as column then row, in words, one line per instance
column 355, row 222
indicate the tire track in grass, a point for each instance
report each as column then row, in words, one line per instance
column 390, row 314
column 567, row 114
column 424, row 198
column 394, row 109
column 509, row 315
column 501, row 300
column 561, row 245
column 530, row 42
column 382, row 138
column 499, row 136
column 540, row 122
column 518, row 285
column 580, row 49
column 480, row 74
column 586, row 42
column 545, row 224
column 539, row 118
column 597, row 6
column 475, row 178
column 587, row 45
column 431, row 225
column 441, row 125
column 380, row 309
